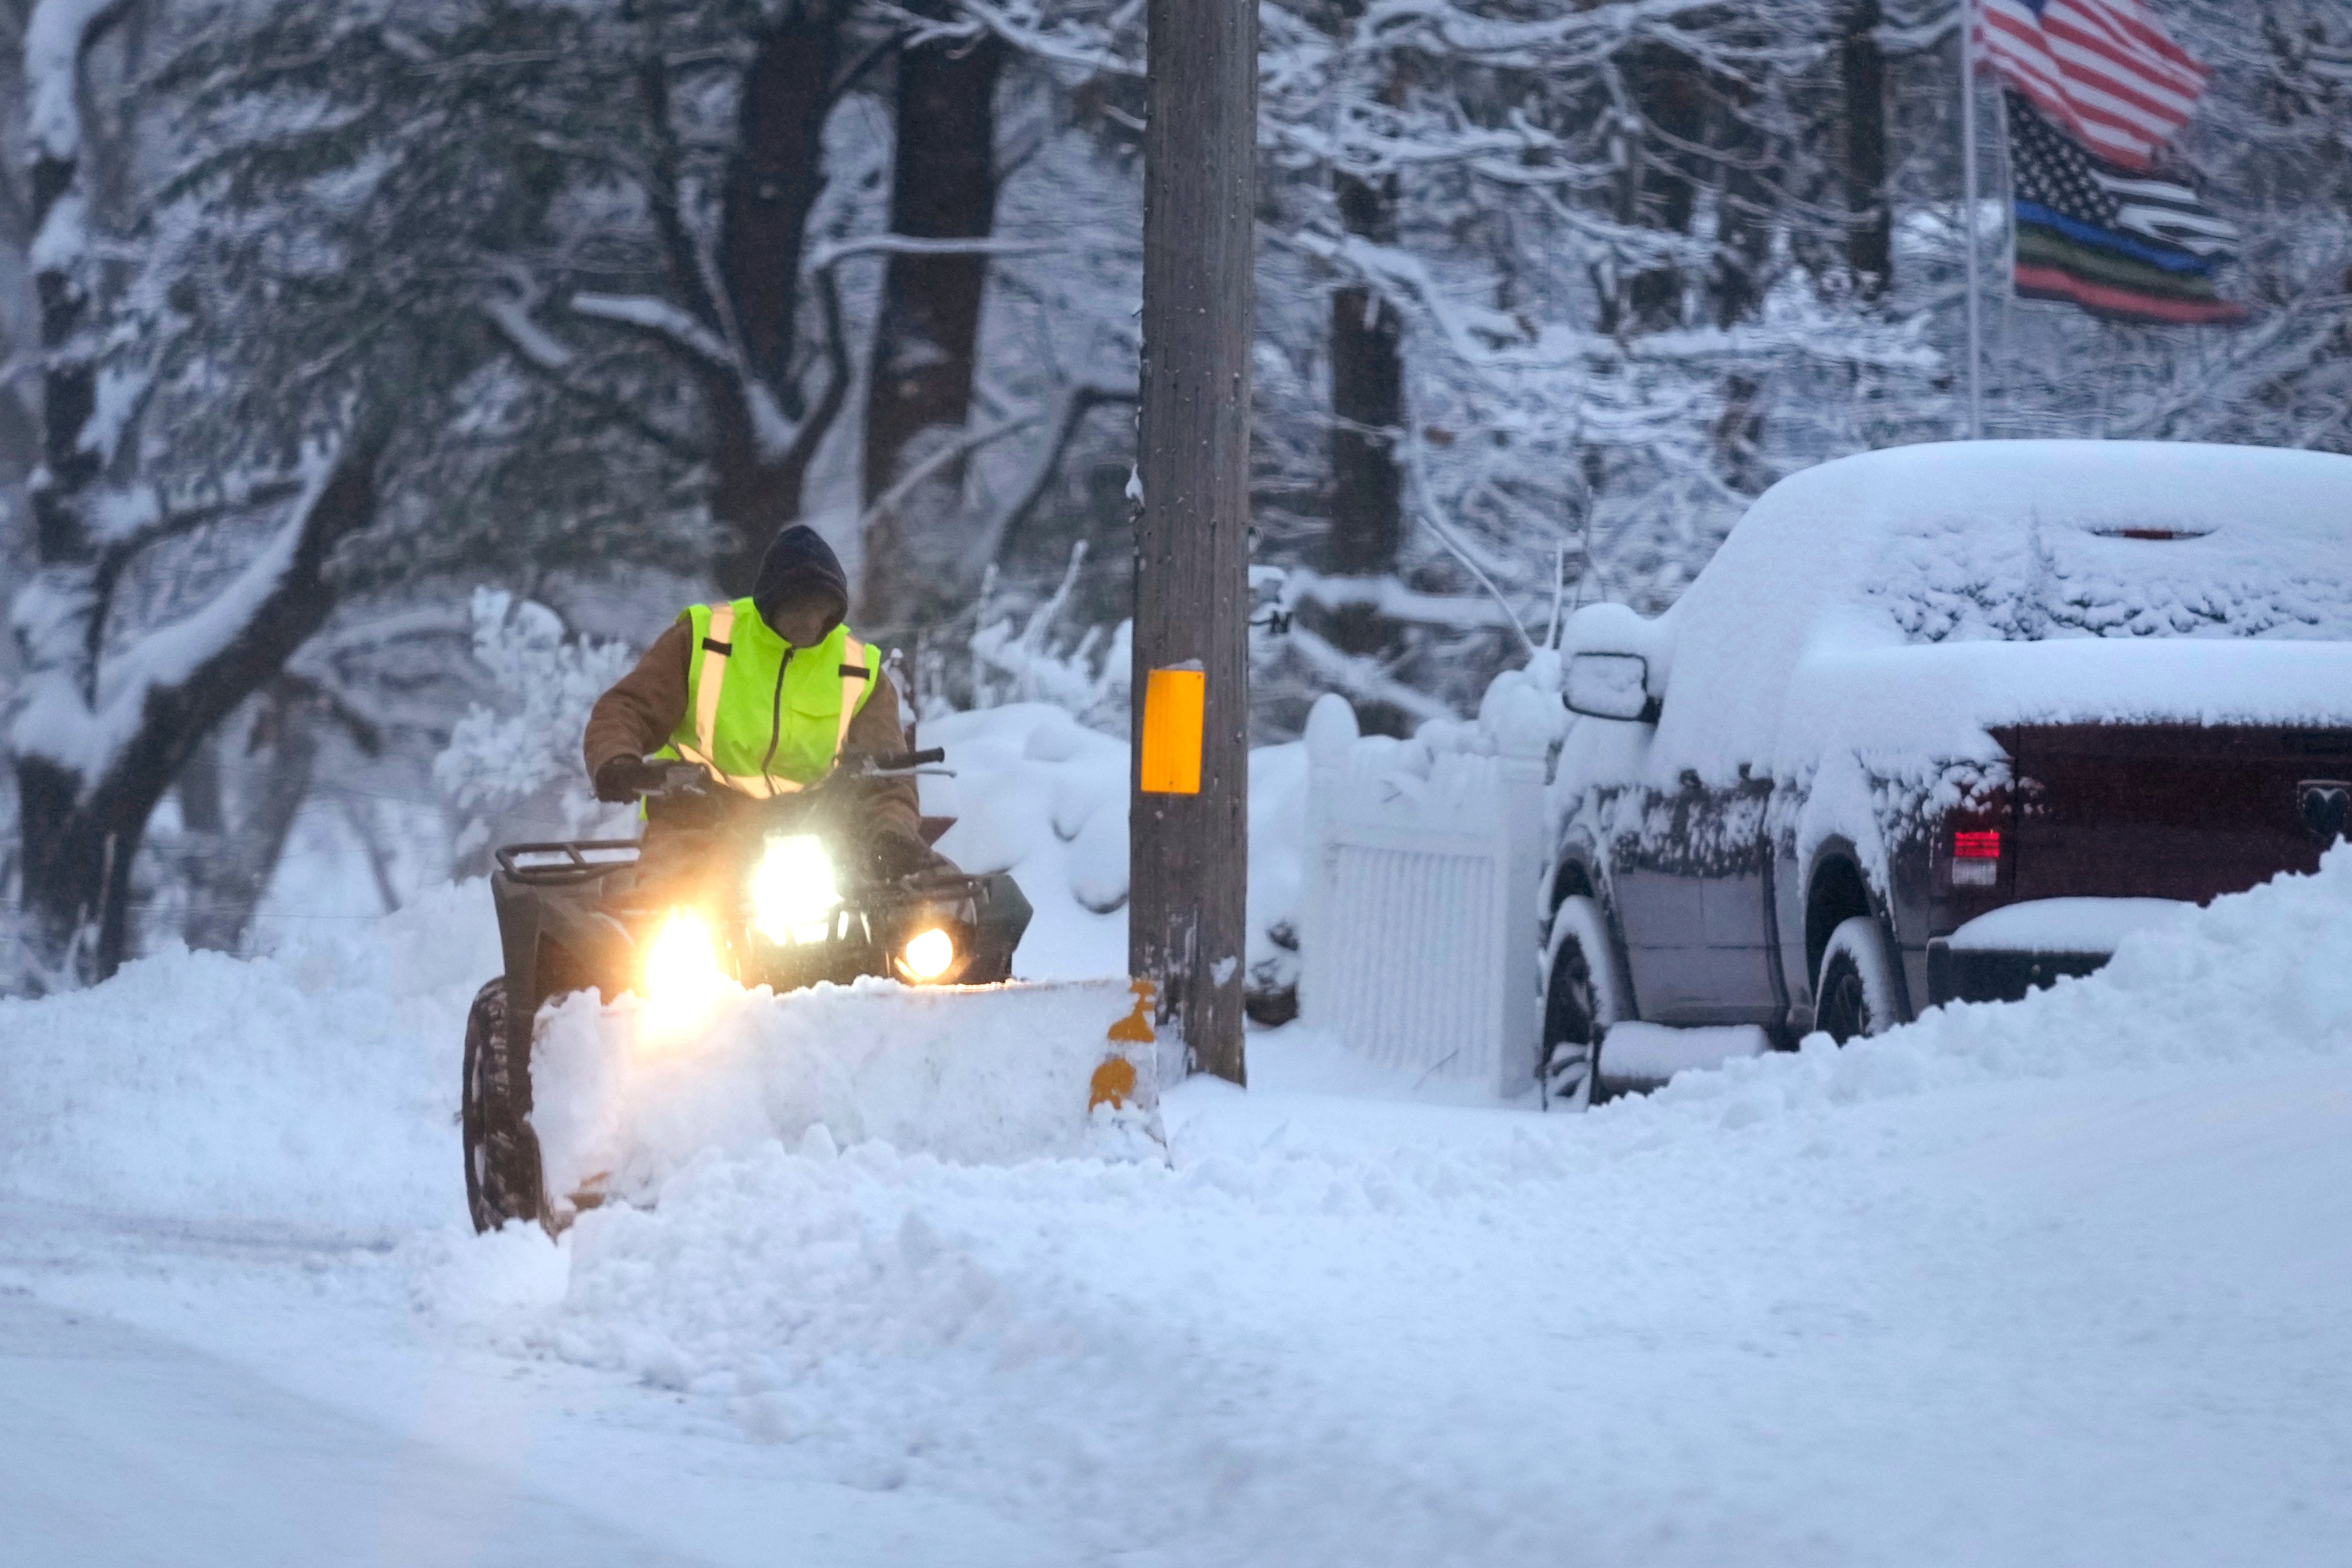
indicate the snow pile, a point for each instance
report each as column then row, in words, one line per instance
column 1829, row 1306
column 1181, row 1355
column 318, row 1084
column 2256, row 976
column 2065, row 925
column 980, row 1074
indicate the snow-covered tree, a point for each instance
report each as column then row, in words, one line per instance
column 111, row 703
column 323, row 316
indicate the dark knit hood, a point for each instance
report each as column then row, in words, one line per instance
column 800, row 565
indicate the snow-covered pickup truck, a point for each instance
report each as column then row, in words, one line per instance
column 1942, row 723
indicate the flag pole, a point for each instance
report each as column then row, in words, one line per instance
column 1969, row 217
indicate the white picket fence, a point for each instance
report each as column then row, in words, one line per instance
column 1419, row 918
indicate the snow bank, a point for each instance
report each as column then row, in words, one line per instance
column 978, row 1075
column 1742, row 1321
column 1182, row 1356
column 2065, row 925
column 2255, row 976
column 318, row 1084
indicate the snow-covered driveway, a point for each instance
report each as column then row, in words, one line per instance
column 2061, row 1282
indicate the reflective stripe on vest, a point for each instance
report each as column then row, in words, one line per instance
column 709, row 672
column 853, row 689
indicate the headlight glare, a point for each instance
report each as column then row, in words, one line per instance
column 682, row 976
column 929, row 955
column 792, row 891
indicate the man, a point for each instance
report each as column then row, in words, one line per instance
column 765, row 693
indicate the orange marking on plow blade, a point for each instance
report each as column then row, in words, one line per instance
column 1114, row 1081
column 1135, row 1028
column 1114, row 1084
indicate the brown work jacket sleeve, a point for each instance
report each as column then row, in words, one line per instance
column 636, row 716
column 879, row 730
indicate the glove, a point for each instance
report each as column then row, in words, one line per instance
column 898, row 853
column 624, row 778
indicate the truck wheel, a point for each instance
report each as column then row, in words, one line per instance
column 502, row 1175
column 1581, row 998
column 1859, row 993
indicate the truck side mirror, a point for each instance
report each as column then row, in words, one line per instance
column 1610, row 686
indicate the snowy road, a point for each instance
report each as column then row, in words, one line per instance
column 243, row 1396
column 2063, row 1283
column 129, row 1449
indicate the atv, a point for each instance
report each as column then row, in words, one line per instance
column 781, row 892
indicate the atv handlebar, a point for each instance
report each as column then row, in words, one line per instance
column 690, row 780
column 907, row 761
column 673, row 780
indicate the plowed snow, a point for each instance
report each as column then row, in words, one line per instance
column 2058, row 1282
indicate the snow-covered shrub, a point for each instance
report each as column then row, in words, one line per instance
column 520, row 761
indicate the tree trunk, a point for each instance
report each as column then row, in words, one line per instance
column 89, row 776
column 773, row 182
column 232, row 883
column 1870, row 233
column 919, row 382
column 1367, row 403
column 1655, row 189
column 1366, row 529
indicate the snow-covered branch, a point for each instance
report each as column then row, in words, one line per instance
column 556, row 363
column 57, row 37
column 838, row 251
column 1393, row 601
column 89, row 735
column 662, row 320
column 946, row 455
column 1068, row 42
column 1363, row 678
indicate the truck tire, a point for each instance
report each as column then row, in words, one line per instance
column 1860, row 992
column 502, row 1172
column 1584, row 995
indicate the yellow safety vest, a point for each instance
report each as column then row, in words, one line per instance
column 764, row 717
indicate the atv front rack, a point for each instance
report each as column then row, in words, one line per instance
column 574, row 864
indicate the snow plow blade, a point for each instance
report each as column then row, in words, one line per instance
column 624, row 1100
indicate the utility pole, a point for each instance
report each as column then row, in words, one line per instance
column 1189, row 818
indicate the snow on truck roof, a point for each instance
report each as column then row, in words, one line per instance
column 2022, row 540
column 1882, row 599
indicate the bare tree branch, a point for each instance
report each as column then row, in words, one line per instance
column 1077, row 403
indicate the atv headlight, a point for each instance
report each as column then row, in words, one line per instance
column 682, row 975
column 792, row 891
column 928, row 955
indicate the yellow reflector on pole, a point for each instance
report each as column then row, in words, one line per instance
column 1173, row 701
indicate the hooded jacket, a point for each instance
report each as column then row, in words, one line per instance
column 639, row 713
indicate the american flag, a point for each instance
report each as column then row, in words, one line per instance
column 2131, row 248
column 2101, row 68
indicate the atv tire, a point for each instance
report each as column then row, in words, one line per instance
column 502, row 1172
